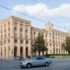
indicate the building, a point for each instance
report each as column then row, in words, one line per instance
column 17, row 35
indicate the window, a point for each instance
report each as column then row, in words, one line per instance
column 56, row 51
column 5, row 51
column 15, row 28
column 21, row 41
column 15, row 40
column 46, row 35
column 1, row 29
column 50, row 44
column 8, row 28
column 50, row 40
column 40, row 58
column 21, row 29
column 9, row 48
column 26, row 42
column 21, row 25
column 26, row 31
column 8, row 40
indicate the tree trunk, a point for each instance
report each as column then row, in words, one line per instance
column 43, row 53
column 35, row 53
column 69, row 52
column 39, row 53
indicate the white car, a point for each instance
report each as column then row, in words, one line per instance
column 36, row 61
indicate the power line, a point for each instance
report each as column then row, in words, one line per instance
column 21, row 13
column 28, row 15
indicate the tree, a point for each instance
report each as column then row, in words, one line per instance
column 39, row 44
column 67, row 45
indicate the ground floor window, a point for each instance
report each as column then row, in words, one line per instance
column 15, row 51
column 21, row 51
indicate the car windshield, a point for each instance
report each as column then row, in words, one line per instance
column 38, row 58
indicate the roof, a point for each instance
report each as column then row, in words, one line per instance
column 38, row 29
column 15, row 19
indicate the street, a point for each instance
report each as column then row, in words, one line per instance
column 57, row 64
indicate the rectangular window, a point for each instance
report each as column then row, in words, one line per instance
column 15, row 28
column 50, row 44
column 26, row 41
column 26, row 30
column 5, row 30
column 21, row 29
column 8, row 28
column 21, row 41
column 34, row 33
column 8, row 40
column 15, row 41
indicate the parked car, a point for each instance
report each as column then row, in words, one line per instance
column 35, row 61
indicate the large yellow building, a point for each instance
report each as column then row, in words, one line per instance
column 17, row 35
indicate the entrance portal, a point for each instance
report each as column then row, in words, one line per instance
column 15, row 51
column 26, row 51
column 21, row 51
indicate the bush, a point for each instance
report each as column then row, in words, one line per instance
column 55, row 55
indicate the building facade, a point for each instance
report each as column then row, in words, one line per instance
column 17, row 36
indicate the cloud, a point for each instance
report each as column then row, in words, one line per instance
column 42, row 10
column 65, row 27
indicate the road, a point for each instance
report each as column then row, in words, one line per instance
column 57, row 64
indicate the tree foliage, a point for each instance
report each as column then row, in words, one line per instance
column 39, row 44
column 67, row 45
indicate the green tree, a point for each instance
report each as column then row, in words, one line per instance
column 39, row 44
column 67, row 45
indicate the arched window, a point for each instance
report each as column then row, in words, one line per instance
column 21, row 51
column 26, row 51
column 15, row 51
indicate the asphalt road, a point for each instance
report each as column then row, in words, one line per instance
column 57, row 64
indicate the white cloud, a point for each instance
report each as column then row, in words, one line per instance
column 42, row 10
column 62, row 27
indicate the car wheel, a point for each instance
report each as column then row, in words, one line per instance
column 46, row 64
column 28, row 65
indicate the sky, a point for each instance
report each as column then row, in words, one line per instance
column 55, row 11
